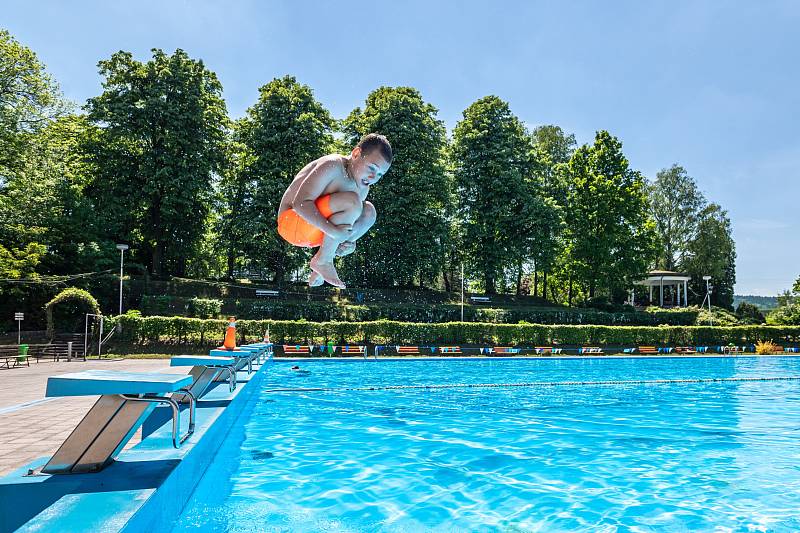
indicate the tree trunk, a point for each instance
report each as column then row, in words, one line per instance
column 446, row 280
column 536, row 284
column 489, row 283
column 157, row 257
column 569, row 292
column 544, row 286
column 519, row 277
column 231, row 263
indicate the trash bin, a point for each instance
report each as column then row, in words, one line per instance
column 22, row 357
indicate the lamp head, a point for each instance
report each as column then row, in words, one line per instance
column 122, row 247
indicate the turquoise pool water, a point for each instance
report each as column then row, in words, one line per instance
column 625, row 457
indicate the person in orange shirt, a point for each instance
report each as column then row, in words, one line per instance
column 326, row 204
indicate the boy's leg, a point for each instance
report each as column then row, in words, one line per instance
column 346, row 208
column 360, row 227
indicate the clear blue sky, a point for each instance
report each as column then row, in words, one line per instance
column 710, row 85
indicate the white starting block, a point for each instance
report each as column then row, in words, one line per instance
column 205, row 370
column 127, row 398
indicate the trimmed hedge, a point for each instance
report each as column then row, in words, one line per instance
column 198, row 332
column 330, row 312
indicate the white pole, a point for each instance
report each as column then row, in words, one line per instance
column 462, row 292
column 19, row 332
column 685, row 293
column 100, row 339
column 121, row 263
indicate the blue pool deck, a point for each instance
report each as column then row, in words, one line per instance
column 144, row 489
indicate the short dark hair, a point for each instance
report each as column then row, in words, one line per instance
column 376, row 141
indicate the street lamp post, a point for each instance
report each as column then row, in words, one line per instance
column 121, row 248
column 462, row 292
column 708, row 297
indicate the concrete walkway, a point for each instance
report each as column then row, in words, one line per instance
column 33, row 426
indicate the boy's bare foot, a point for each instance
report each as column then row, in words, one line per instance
column 346, row 248
column 315, row 280
column 327, row 271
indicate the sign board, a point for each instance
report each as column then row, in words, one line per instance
column 19, row 316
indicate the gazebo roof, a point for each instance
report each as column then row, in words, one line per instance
column 657, row 277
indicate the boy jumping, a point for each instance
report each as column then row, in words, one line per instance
column 326, row 206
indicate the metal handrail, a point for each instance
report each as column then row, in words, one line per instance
column 176, row 413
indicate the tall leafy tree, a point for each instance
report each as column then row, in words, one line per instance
column 407, row 243
column 492, row 162
column 610, row 236
column 285, row 130
column 43, row 202
column 712, row 253
column 676, row 205
column 552, row 150
column 29, row 100
column 162, row 124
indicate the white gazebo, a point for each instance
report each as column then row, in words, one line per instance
column 660, row 278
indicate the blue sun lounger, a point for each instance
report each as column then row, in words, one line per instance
column 205, row 370
column 126, row 400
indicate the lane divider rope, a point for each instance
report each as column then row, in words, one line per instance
column 534, row 384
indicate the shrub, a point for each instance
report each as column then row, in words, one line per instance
column 66, row 311
column 785, row 315
column 766, row 347
column 748, row 313
column 331, row 312
column 197, row 332
column 204, row 308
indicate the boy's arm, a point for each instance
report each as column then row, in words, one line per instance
column 312, row 187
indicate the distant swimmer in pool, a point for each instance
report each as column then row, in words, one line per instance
column 326, row 204
column 301, row 371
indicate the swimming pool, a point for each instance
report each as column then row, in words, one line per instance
column 680, row 456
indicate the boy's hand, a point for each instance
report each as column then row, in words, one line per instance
column 341, row 232
column 346, row 248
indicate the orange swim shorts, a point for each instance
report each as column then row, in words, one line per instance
column 299, row 232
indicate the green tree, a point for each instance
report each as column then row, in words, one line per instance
column 748, row 313
column 285, row 130
column 20, row 264
column 407, row 243
column 29, row 99
column 676, row 205
column 162, row 126
column 44, row 202
column 491, row 157
column 552, row 150
column 609, row 234
column 713, row 253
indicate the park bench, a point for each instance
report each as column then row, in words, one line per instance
column 504, row 350
column 351, row 350
column 266, row 293
column 449, row 350
column 407, row 350
column 590, row 350
column 297, row 349
column 547, row 350
column 648, row 350
column 10, row 354
column 686, row 350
